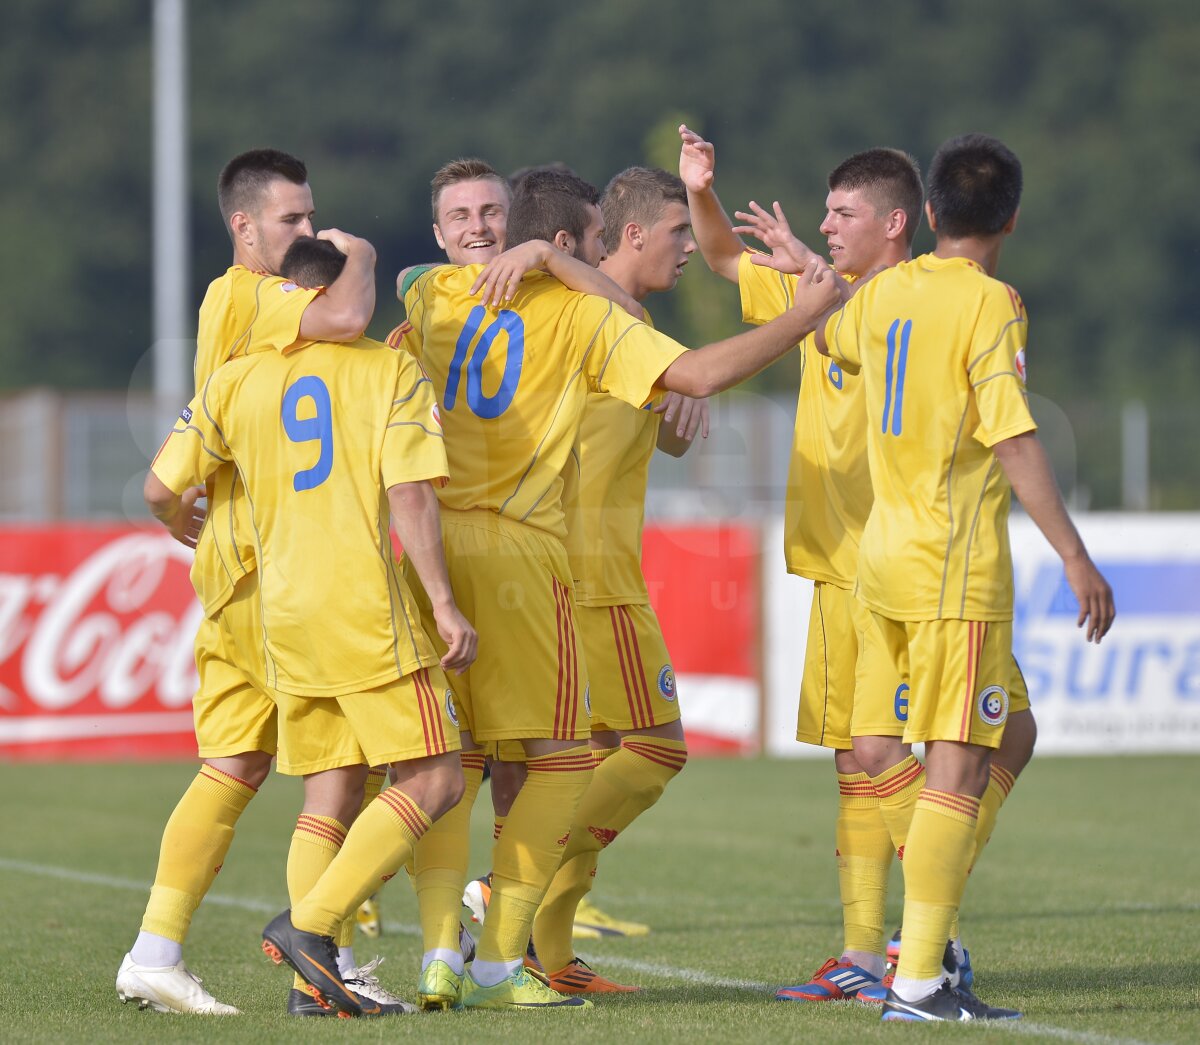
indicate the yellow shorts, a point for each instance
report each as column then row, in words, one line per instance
column 849, row 684
column 631, row 684
column 963, row 677
column 513, row 583
column 412, row 717
column 233, row 710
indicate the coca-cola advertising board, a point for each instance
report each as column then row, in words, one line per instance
column 97, row 625
column 96, row 635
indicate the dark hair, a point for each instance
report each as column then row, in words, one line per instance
column 245, row 178
column 640, row 195
column 311, row 262
column 890, row 177
column 468, row 169
column 548, row 201
column 974, row 186
column 521, row 173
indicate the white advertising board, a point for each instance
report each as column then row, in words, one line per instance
column 1137, row 691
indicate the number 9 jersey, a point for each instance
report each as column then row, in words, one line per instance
column 319, row 435
column 512, row 382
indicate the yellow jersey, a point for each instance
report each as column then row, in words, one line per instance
column 829, row 480
column 242, row 312
column 319, row 435
column 512, row 383
column 941, row 346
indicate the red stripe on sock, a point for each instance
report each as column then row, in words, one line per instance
column 328, row 832
column 219, row 776
column 1003, row 779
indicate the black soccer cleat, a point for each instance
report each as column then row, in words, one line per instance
column 945, row 1004
column 300, row 1004
column 315, row 960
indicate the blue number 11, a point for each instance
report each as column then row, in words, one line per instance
column 897, row 363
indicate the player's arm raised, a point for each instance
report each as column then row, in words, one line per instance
column 417, row 518
column 711, row 226
column 716, row 367
column 1024, row 461
column 343, row 310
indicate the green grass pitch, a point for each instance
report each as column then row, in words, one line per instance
column 1084, row 912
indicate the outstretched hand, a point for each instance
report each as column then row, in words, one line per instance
column 788, row 254
column 697, row 161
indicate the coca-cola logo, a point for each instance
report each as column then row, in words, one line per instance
column 114, row 631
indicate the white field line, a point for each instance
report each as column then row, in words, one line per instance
column 669, row 972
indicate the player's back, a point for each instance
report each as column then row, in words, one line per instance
column 942, row 348
column 314, row 435
column 511, row 383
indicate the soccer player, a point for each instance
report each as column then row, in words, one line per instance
column 326, row 439
column 266, row 203
column 941, row 346
column 637, row 736
column 511, row 383
column 851, row 699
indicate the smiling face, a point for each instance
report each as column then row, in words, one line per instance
column 666, row 247
column 856, row 233
column 472, row 218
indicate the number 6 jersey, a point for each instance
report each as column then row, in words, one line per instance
column 318, row 436
column 512, row 383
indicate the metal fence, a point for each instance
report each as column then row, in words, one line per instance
column 85, row 455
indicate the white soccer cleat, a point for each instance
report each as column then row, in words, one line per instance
column 172, row 988
column 363, row 982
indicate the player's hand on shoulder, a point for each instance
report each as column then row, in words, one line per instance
column 1096, row 606
column 499, row 279
column 459, row 636
column 697, row 160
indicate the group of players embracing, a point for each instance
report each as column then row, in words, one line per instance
column 505, row 430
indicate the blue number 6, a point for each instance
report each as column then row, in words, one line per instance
column 304, row 430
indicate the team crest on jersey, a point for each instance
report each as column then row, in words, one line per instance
column 1020, row 361
column 587, row 698
column 451, row 710
column 993, row 705
column 185, row 415
column 288, row 287
column 666, row 682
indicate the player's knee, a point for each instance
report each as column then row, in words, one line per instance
column 1018, row 742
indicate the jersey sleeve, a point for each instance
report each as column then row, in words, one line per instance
column 842, row 334
column 766, row 294
column 280, row 308
column 196, row 446
column 625, row 357
column 413, row 447
column 996, row 367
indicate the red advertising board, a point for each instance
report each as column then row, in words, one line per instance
column 97, row 625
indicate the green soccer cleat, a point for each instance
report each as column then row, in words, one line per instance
column 440, row 987
column 519, row 991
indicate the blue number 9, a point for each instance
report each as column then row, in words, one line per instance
column 305, row 430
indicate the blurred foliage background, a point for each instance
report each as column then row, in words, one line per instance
column 1101, row 100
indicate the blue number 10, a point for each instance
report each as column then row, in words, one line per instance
column 305, row 430
column 481, row 404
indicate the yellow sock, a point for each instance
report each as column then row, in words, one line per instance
column 375, row 783
column 864, row 855
column 441, row 863
column 1000, row 784
column 531, row 848
column 315, row 842
column 940, row 843
column 626, row 783
column 898, row 788
column 194, row 844
column 381, row 839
